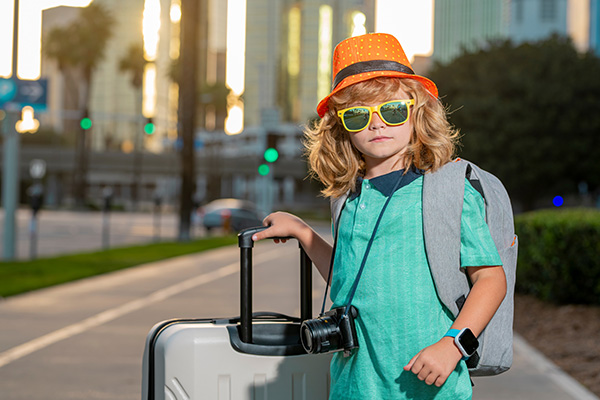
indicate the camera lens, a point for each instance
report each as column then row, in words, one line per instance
column 307, row 342
column 320, row 335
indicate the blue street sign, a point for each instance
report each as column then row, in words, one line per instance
column 16, row 94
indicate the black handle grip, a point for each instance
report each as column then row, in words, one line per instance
column 245, row 236
column 246, row 244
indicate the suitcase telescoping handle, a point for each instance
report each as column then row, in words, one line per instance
column 246, row 244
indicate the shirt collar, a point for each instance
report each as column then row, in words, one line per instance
column 385, row 183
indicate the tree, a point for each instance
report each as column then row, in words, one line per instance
column 212, row 95
column 528, row 113
column 134, row 63
column 78, row 48
column 57, row 46
column 94, row 28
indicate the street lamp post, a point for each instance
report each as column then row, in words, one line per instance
column 10, row 170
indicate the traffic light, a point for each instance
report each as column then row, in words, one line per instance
column 271, row 155
column 149, row 128
column 85, row 122
column 263, row 170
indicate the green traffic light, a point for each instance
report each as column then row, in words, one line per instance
column 271, row 155
column 149, row 128
column 86, row 123
column 263, row 169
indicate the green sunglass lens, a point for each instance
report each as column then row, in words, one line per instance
column 394, row 113
column 356, row 119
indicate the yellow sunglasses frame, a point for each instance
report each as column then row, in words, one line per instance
column 409, row 102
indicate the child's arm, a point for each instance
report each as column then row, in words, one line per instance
column 283, row 224
column 435, row 363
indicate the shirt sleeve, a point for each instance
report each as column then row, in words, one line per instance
column 477, row 247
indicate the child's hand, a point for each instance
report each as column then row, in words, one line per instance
column 435, row 363
column 281, row 224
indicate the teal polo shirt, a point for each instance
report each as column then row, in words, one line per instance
column 399, row 310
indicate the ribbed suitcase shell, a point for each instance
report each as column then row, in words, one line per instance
column 223, row 360
column 195, row 360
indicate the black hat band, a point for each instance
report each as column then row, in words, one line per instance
column 370, row 66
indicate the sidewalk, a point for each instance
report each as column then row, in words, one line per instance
column 532, row 377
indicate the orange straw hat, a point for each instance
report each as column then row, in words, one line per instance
column 369, row 56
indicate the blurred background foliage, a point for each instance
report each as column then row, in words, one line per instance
column 558, row 255
column 529, row 113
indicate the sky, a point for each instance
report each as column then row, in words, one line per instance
column 411, row 21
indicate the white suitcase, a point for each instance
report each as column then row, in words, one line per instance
column 256, row 356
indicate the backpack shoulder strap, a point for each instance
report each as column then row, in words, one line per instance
column 499, row 214
column 336, row 204
column 443, row 196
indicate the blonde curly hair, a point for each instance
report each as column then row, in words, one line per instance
column 337, row 163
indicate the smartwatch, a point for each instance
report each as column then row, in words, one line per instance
column 465, row 340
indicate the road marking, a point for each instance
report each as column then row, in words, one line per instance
column 41, row 342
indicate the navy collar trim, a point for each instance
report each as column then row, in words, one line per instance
column 385, row 183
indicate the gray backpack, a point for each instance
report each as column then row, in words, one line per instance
column 443, row 195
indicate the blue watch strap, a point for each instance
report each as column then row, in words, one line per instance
column 453, row 333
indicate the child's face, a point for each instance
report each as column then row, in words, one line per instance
column 382, row 145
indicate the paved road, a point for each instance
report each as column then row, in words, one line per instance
column 84, row 340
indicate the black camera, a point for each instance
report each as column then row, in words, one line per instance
column 332, row 331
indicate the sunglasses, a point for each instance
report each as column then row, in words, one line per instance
column 395, row 112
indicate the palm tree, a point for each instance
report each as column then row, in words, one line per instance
column 58, row 46
column 94, row 30
column 134, row 63
column 78, row 48
column 212, row 95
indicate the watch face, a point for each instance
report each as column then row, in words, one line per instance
column 468, row 341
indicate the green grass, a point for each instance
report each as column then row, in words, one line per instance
column 23, row 276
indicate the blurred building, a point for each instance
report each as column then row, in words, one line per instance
column 289, row 45
column 286, row 70
column 469, row 24
column 119, row 110
column 287, row 64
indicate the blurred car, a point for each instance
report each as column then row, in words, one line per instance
column 242, row 214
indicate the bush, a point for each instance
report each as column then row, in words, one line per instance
column 559, row 255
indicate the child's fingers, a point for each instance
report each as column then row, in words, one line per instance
column 262, row 234
column 270, row 232
column 410, row 364
column 431, row 378
column 440, row 381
